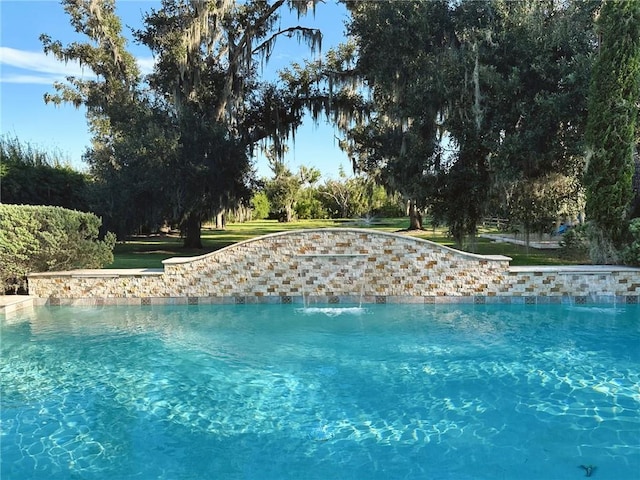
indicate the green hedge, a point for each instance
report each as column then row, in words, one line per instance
column 631, row 253
column 41, row 239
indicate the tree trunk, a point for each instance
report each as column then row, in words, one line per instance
column 220, row 221
column 288, row 213
column 415, row 218
column 191, row 229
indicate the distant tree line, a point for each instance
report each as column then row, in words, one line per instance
column 33, row 175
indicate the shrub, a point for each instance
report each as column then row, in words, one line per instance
column 575, row 244
column 631, row 253
column 309, row 207
column 260, row 205
column 40, row 239
column 33, row 176
column 390, row 209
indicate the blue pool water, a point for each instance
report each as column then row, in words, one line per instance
column 277, row 392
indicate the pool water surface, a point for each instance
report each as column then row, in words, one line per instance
column 280, row 392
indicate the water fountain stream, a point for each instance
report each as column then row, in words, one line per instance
column 329, row 278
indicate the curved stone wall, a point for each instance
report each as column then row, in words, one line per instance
column 333, row 265
column 339, row 262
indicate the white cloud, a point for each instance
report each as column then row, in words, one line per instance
column 27, row 79
column 40, row 62
column 145, row 64
column 39, row 68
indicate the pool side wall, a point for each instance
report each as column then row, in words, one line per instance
column 337, row 266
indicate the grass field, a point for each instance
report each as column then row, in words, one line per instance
column 148, row 252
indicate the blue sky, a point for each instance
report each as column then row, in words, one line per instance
column 26, row 74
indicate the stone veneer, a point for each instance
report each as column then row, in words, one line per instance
column 337, row 265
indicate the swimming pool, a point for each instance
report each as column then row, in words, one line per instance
column 279, row 392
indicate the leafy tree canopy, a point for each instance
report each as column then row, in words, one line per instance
column 181, row 137
column 614, row 107
column 455, row 103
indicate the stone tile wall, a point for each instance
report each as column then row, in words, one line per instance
column 335, row 266
column 571, row 281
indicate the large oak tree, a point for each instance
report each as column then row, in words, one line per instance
column 469, row 102
column 184, row 133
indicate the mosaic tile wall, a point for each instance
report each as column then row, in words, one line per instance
column 332, row 266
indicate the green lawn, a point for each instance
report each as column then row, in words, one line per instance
column 148, row 252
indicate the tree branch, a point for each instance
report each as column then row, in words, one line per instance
column 305, row 31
